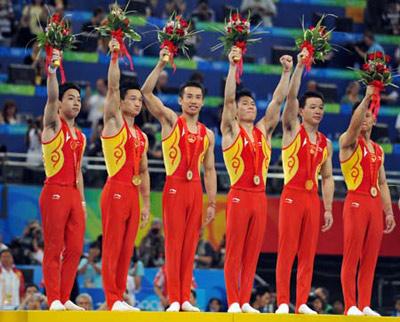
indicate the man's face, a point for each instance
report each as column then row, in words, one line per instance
column 192, row 100
column 6, row 260
column 84, row 302
column 71, row 103
column 368, row 122
column 132, row 103
column 246, row 109
column 313, row 111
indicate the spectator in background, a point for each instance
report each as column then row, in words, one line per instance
column 2, row 245
column 373, row 15
column 323, row 293
column 90, row 267
column 9, row 112
column 171, row 6
column 151, row 248
column 316, row 303
column 338, row 307
column 94, row 146
column 352, row 95
column 37, row 14
column 33, row 299
column 38, row 63
column 95, row 21
column 261, row 11
column 12, row 284
column 214, row 305
column 262, row 300
column 203, row 12
column 95, row 102
column 84, row 300
column 396, row 311
column 197, row 77
column 370, row 44
column 31, row 237
column 220, row 256
column 6, row 22
column 312, row 86
column 391, row 18
column 141, row 7
column 205, row 254
column 33, row 141
column 162, row 83
column 137, row 270
column 390, row 96
column 193, row 297
column 23, row 36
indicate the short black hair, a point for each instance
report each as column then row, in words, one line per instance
column 259, row 291
column 242, row 93
column 191, row 84
column 98, row 11
column 124, row 88
column 65, row 87
column 31, row 285
column 310, row 94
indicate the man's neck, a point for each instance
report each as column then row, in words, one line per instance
column 129, row 119
column 191, row 120
column 70, row 122
column 248, row 126
column 310, row 128
column 366, row 135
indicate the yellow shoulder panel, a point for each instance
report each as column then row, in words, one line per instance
column 53, row 155
column 290, row 160
column 233, row 160
column 114, row 151
column 352, row 170
column 171, row 151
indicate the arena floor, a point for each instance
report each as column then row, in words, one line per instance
column 93, row 316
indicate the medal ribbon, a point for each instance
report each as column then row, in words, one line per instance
column 189, row 160
column 373, row 173
column 74, row 145
column 311, row 162
column 255, row 149
column 136, row 153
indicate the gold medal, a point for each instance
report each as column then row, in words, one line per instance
column 136, row 180
column 189, row 175
column 256, row 180
column 373, row 191
column 309, row 185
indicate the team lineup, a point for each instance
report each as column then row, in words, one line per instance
column 187, row 147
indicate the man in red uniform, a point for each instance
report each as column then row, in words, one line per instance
column 124, row 148
column 368, row 195
column 62, row 200
column 247, row 153
column 186, row 144
column 305, row 153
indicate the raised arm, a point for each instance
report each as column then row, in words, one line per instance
column 328, row 188
column 210, row 178
column 349, row 138
column 51, row 119
column 290, row 120
column 229, row 124
column 163, row 114
column 271, row 118
column 386, row 201
column 145, row 187
column 112, row 112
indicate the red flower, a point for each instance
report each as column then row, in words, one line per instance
column 229, row 29
column 126, row 21
column 65, row 32
column 184, row 23
column 365, row 67
column 56, row 18
column 371, row 56
column 169, row 30
column 312, row 28
column 236, row 16
column 240, row 28
column 322, row 30
column 387, row 59
column 180, row 32
column 386, row 70
column 244, row 20
column 379, row 54
column 380, row 68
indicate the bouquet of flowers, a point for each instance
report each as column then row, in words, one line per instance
column 375, row 72
column 174, row 36
column 57, row 35
column 237, row 33
column 315, row 40
column 117, row 25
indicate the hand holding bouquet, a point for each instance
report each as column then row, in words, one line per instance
column 237, row 33
column 174, row 37
column 376, row 73
column 117, row 26
column 56, row 37
column 315, row 40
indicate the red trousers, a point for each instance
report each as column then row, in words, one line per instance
column 299, row 225
column 182, row 214
column 246, row 216
column 120, row 219
column 363, row 229
column 63, row 221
